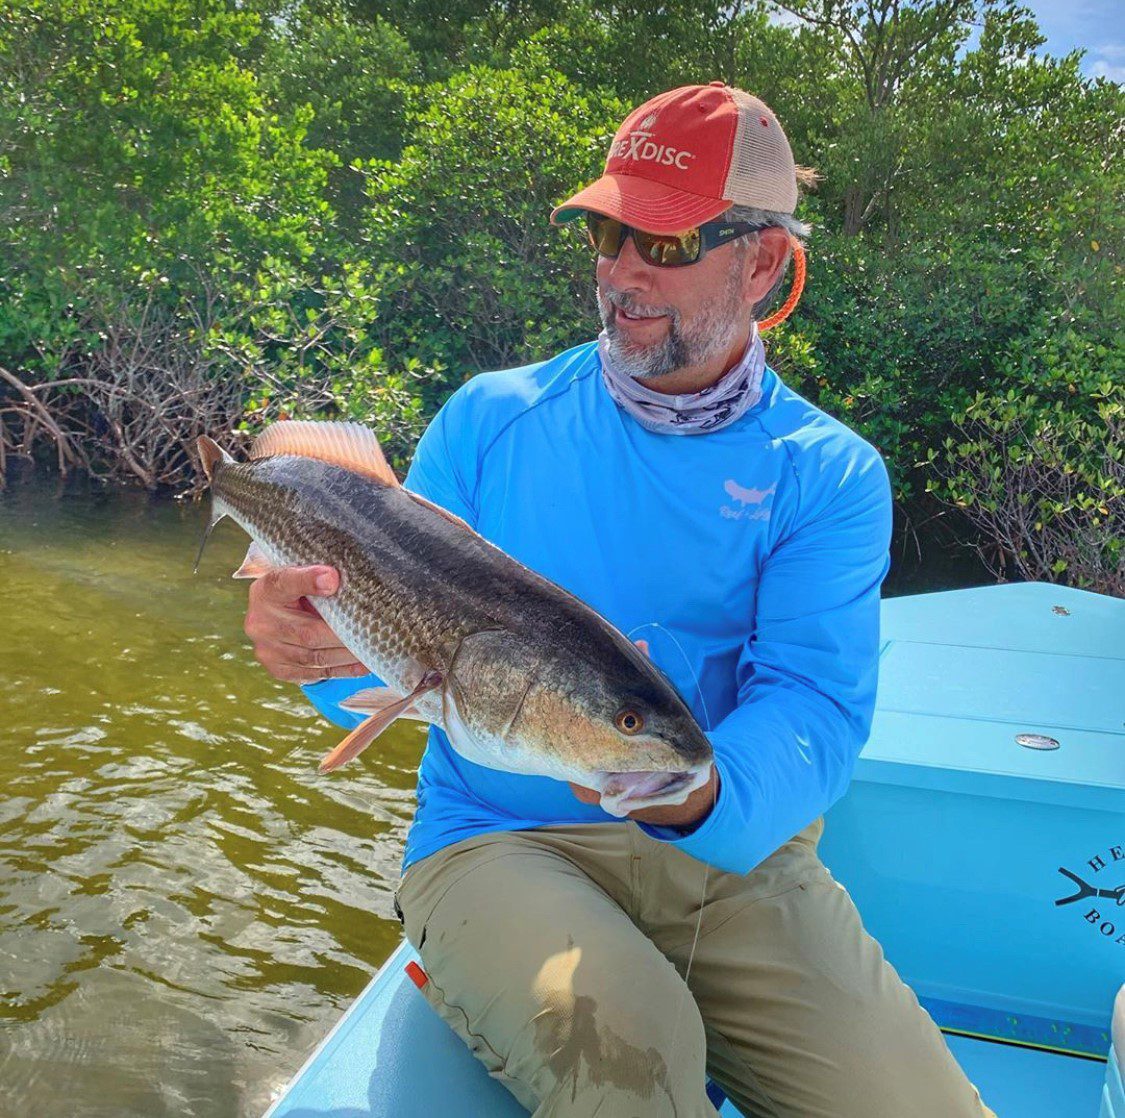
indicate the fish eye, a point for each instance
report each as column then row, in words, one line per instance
column 628, row 721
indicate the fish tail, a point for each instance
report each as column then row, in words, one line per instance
column 211, row 457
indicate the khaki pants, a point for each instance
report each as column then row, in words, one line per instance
column 558, row 956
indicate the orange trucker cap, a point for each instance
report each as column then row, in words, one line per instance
column 685, row 156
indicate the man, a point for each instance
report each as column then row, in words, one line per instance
column 668, row 477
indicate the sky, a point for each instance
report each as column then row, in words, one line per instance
column 1096, row 26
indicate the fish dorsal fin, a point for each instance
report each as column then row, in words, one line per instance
column 349, row 445
column 453, row 518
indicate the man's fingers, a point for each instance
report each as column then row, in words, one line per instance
column 319, row 658
column 288, row 627
column 295, row 673
column 291, row 640
column 278, row 612
column 304, row 665
column 285, row 586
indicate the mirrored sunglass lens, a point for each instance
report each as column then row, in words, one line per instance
column 654, row 249
column 606, row 234
column 682, row 248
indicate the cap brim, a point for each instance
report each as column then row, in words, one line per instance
column 648, row 205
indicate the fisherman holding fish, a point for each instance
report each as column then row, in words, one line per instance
column 577, row 802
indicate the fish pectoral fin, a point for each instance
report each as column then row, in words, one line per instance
column 366, row 732
column 254, row 565
column 358, row 740
column 374, row 700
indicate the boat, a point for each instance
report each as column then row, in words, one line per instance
column 982, row 838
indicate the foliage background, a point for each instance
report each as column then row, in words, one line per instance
column 213, row 214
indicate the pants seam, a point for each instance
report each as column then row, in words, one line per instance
column 739, row 911
column 461, row 876
column 501, row 1060
column 748, row 1071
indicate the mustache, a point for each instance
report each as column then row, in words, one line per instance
column 630, row 305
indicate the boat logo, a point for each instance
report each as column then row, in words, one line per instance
column 1108, row 922
column 751, row 502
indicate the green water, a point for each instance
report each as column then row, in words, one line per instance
column 185, row 905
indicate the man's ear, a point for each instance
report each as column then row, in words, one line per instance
column 773, row 250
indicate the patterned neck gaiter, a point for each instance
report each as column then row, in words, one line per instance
column 696, row 413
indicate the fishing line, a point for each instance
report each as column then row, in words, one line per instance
column 684, row 657
column 694, row 944
column 714, row 797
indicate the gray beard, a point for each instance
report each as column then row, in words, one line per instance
column 713, row 334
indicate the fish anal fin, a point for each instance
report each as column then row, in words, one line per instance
column 348, row 445
column 254, row 565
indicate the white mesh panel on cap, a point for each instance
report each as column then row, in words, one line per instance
column 762, row 173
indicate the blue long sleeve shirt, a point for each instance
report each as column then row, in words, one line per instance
column 750, row 558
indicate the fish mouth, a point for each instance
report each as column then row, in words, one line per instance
column 623, row 792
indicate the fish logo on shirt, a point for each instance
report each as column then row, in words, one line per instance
column 750, row 500
column 747, row 496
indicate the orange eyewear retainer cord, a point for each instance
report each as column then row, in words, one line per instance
column 786, row 308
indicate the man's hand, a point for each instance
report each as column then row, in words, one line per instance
column 696, row 807
column 291, row 640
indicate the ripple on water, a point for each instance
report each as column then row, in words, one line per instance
column 66, row 737
column 185, row 906
column 160, row 1056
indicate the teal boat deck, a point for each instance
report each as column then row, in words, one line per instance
column 992, row 873
column 391, row 1056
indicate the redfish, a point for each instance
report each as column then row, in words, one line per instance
column 521, row 675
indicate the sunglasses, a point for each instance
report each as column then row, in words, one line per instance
column 664, row 250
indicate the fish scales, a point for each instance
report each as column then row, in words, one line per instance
column 406, row 597
column 430, row 582
column 426, row 573
column 393, row 609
